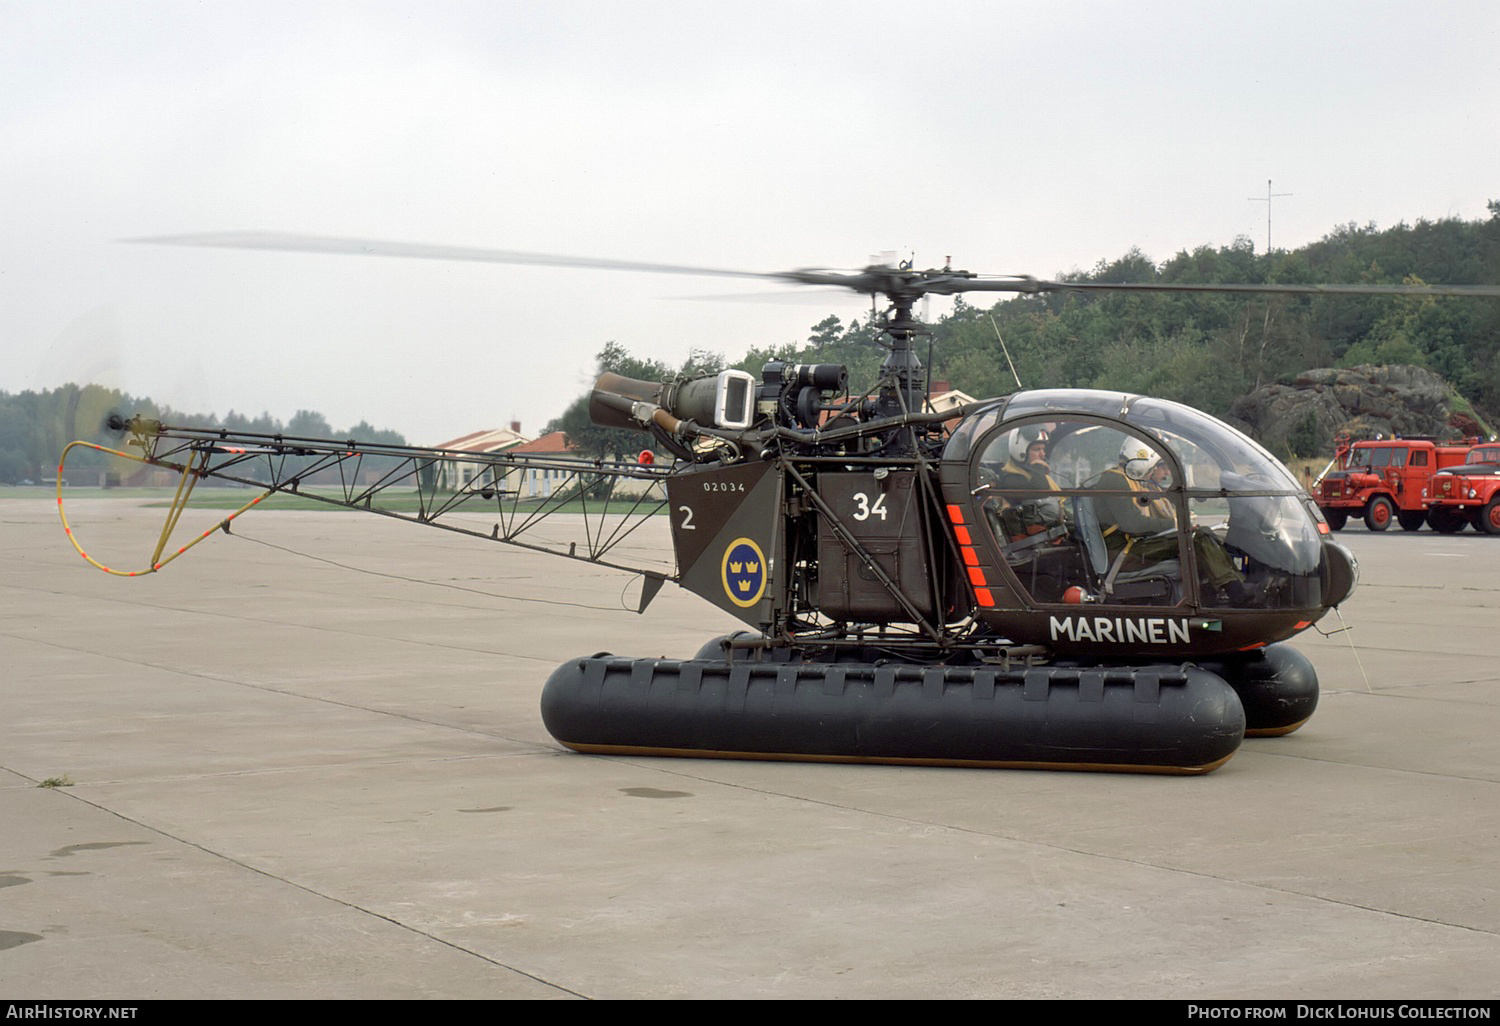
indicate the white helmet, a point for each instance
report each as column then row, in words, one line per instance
column 1138, row 459
column 1023, row 439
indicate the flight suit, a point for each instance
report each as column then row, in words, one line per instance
column 1031, row 501
column 1133, row 524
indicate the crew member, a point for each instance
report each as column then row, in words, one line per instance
column 1026, row 470
column 1139, row 523
column 1026, row 485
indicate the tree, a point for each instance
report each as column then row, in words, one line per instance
column 308, row 424
column 1303, row 438
column 612, row 443
column 825, row 333
column 35, row 426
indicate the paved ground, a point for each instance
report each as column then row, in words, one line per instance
column 293, row 779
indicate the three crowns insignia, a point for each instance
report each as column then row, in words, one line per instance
column 745, row 572
column 746, row 583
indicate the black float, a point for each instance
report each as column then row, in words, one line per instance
column 1164, row 718
column 1277, row 686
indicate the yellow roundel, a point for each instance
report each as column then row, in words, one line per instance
column 744, row 572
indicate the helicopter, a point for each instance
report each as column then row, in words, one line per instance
column 919, row 586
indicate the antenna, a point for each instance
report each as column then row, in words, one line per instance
column 1267, row 201
column 1006, row 351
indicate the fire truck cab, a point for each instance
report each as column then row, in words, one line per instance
column 1384, row 480
column 1468, row 493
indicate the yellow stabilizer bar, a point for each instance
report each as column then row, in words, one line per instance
column 190, row 475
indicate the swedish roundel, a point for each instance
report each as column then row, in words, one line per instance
column 744, row 572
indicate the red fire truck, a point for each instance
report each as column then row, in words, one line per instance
column 1468, row 493
column 1384, row 480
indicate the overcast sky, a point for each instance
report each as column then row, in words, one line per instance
column 1017, row 137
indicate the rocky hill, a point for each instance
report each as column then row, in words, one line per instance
column 1301, row 417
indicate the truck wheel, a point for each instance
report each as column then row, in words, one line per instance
column 1411, row 521
column 1379, row 513
column 1446, row 520
column 1336, row 518
column 1488, row 520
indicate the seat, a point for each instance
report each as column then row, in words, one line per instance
column 1034, row 549
column 1159, row 583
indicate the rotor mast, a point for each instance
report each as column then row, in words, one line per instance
column 903, row 378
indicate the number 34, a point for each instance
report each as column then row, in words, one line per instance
column 866, row 511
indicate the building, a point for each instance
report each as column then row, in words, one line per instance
column 458, row 474
column 540, row 482
column 543, row 482
column 945, row 398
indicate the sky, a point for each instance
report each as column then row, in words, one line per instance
column 763, row 136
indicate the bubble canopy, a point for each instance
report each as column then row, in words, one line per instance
column 1203, row 446
column 1243, row 518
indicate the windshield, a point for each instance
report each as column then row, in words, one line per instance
column 1227, row 475
column 1377, row 458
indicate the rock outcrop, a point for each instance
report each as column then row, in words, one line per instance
column 1364, row 401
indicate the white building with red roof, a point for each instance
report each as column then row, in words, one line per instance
column 569, row 460
column 457, row 474
column 539, row 482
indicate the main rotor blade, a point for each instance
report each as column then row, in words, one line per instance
column 893, row 282
column 424, row 251
column 1489, row 291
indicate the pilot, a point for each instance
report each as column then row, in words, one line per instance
column 1140, row 528
column 1026, row 485
column 1027, row 469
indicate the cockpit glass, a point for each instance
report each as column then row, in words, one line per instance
column 970, row 428
column 1168, row 507
column 1050, row 493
